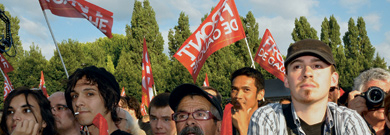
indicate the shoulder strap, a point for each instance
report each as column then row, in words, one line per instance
column 289, row 118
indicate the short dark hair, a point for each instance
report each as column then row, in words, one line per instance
column 219, row 97
column 159, row 101
column 44, row 107
column 131, row 102
column 250, row 72
column 106, row 82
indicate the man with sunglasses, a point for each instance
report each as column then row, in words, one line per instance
column 195, row 111
column 65, row 122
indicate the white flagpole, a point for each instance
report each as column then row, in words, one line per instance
column 55, row 43
column 250, row 54
column 5, row 78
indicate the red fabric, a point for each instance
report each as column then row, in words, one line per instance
column 147, row 77
column 227, row 125
column 123, row 93
column 7, row 86
column 221, row 28
column 42, row 85
column 101, row 123
column 269, row 56
column 99, row 17
column 143, row 110
column 341, row 91
column 5, row 66
column 206, row 81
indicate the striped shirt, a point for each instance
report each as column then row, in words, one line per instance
column 269, row 120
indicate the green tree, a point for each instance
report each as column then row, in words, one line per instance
column 181, row 32
column 365, row 47
column 303, row 30
column 379, row 62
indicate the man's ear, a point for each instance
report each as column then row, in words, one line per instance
column 334, row 79
column 260, row 94
column 286, row 81
column 218, row 131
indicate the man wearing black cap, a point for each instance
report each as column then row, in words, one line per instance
column 310, row 72
column 92, row 91
column 196, row 111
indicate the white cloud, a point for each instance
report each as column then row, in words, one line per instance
column 384, row 47
column 373, row 21
column 289, row 8
column 33, row 28
column 280, row 29
column 354, row 5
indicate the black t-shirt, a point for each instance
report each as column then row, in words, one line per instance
column 315, row 129
column 119, row 132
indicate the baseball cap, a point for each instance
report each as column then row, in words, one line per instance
column 190, row 89
column 311, row 47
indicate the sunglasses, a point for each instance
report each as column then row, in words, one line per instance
column 333, row 88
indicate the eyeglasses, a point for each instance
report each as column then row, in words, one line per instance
column 59, row 108
column 333, row 88
column 197, row 115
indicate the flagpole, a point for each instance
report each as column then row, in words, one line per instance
column 250, row 54
column 5, row 78
column 55, row 43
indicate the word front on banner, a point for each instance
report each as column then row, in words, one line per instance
column 221, row 28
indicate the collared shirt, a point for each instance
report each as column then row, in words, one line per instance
column 269, row 119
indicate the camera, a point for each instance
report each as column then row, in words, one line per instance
column 375, row 97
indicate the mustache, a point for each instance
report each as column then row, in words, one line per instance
column 194, row 130
column 308, row 81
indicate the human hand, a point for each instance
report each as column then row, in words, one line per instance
column 356, row 102
column 241, row 118
column 26, row 127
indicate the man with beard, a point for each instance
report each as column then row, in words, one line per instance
column 65, row 122
column 310, row 72
column 196, row 111
column 374, row 115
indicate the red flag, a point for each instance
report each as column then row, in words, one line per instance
column 206, row 81
column 147, row 77
column 7, row 86
column 101, row 123
column 221, row 28
column 269, row 56
column 42, row 85
column 226, row 126
column 5, row 66
column 123, row 93
column 143, row 110
column 99, row 17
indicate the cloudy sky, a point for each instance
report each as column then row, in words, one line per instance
column 276, row 15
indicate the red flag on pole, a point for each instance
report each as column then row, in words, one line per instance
column 221, row 28
column 42, row 85
column 101, row 123
column 7, row 86
column 123, row 93
column 147, row 77
column 5, row 66
column 99, row 17
column 269, row 56
column 143, row 109
column 206, row 81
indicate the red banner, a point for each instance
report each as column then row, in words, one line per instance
column 5, row 66
column 42, row 85
column 269, row 56
column 147, row 77
column 206, row 81
column 7, row 86
column 221, row 28
column 99, row 17
column 123, row 93
column 143, row 110
column 101, row 123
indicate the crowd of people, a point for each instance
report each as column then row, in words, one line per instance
column 313, row 108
